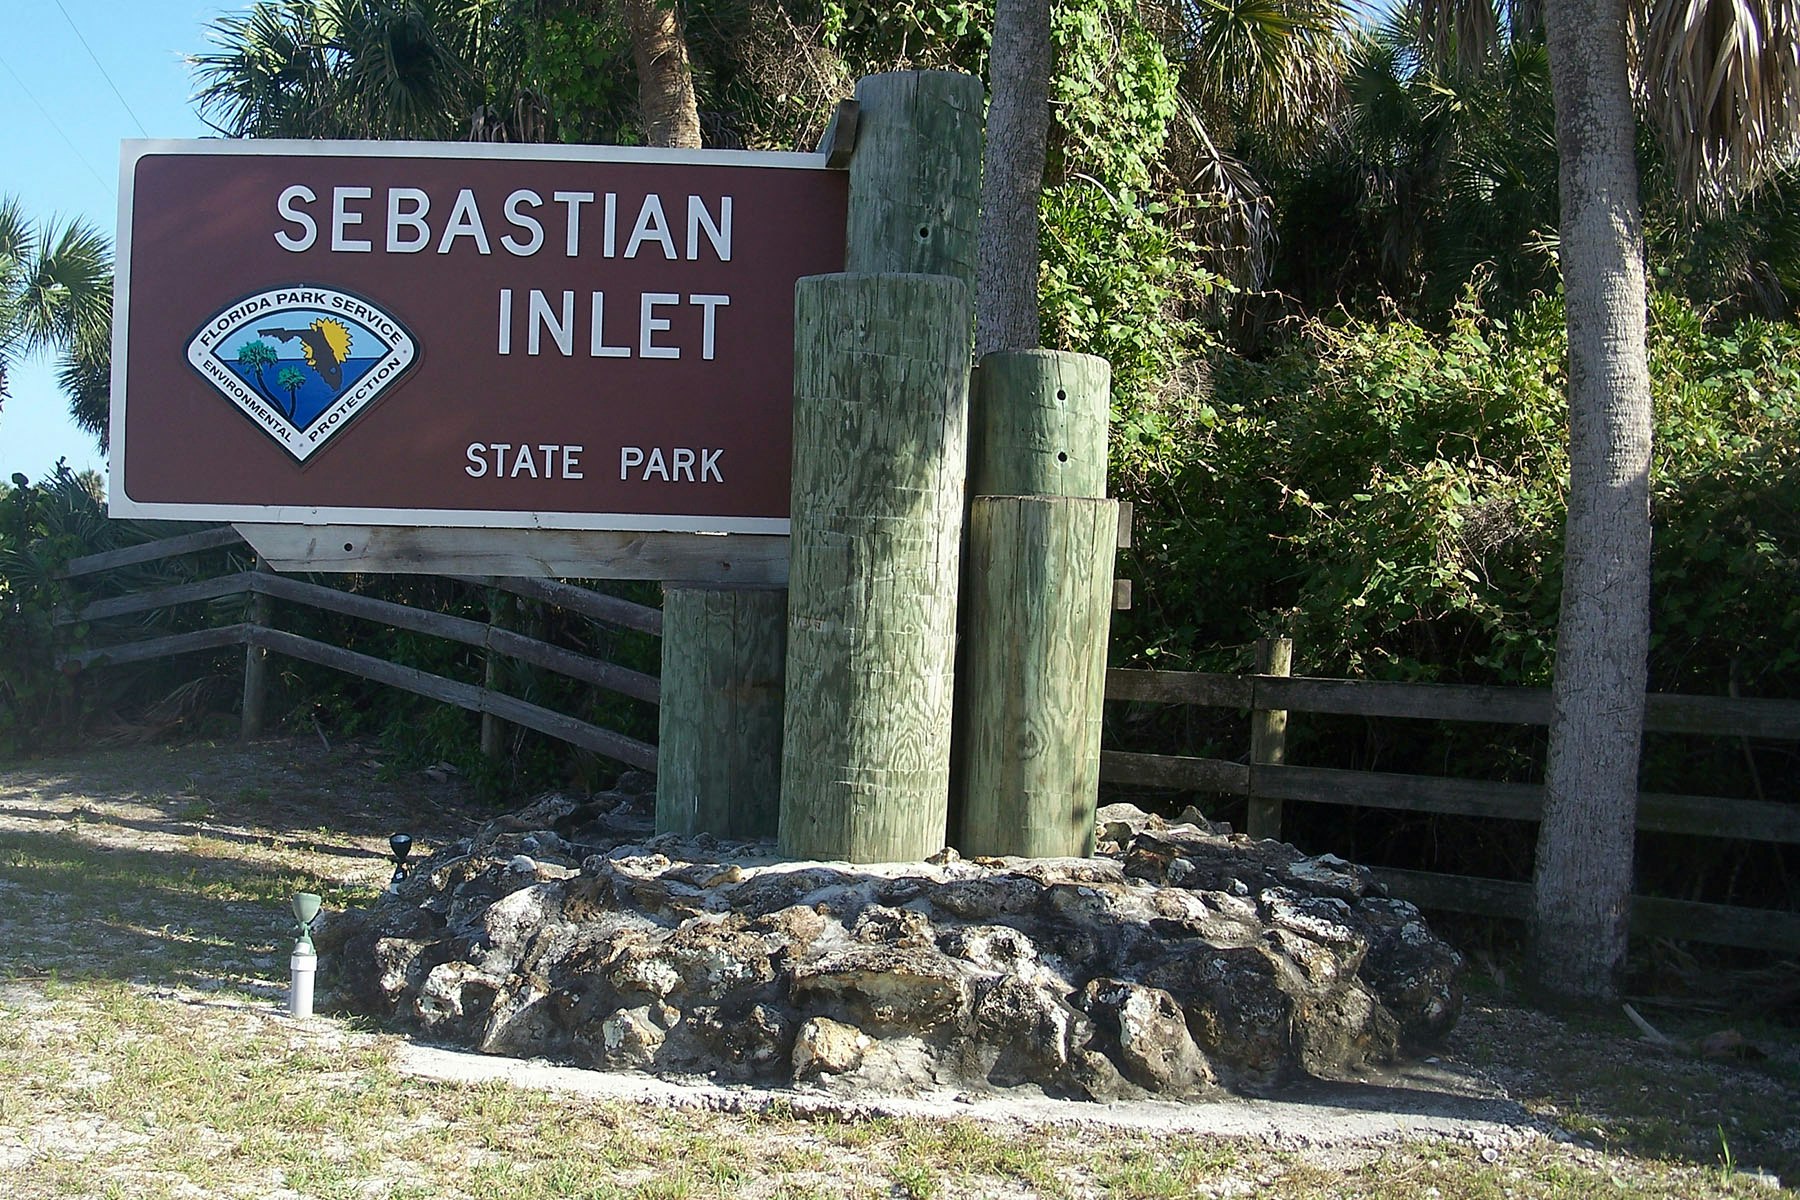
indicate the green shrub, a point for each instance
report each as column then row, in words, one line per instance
column 1393, row 497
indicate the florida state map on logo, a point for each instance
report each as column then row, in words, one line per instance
column 302, row 361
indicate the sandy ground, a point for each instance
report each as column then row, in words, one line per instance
column 303, row 806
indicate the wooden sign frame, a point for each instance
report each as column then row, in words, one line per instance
column 738, row 559
column 650, row 542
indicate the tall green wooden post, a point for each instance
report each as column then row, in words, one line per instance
column 915, row 181
column 880, row 461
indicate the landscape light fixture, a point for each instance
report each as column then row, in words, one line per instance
column 304, row 962
column 401, row 845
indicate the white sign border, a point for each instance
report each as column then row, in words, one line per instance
column 131, row 151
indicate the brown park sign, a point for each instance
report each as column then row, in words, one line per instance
column 462, row 334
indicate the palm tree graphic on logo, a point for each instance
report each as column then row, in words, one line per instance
column 254, row 356
column 292, row 381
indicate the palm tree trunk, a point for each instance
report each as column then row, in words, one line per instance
column 1582, row 881
column 1006, row 291
column 665, row 81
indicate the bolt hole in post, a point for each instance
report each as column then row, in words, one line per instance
column 348, row 547
column 1062, row 456
column 924, row 233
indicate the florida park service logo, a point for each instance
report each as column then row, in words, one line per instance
column 301, row 361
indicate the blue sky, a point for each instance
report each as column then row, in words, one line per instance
column 59, row 146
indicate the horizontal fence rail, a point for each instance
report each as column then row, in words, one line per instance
column 263, row 585
column 1664, row 713
column 1267, row 784
column 172, row 547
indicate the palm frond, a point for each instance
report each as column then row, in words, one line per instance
column 1460, row 36
column 56, row 293
column 84, row 374
column 64, row 290
column 356, row 68
column 1238, row 222
column 1722, row 88
column 1272, row 65
column 269, row 74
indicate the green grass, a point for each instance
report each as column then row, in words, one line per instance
column 226, row 1102
column 142, row 1054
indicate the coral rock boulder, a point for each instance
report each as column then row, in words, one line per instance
column 1179, row 960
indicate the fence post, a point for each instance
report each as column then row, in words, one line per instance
column 493, row 729
column 256, row 668
column 1268, row 736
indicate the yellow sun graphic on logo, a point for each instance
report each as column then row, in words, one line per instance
column 336, row 339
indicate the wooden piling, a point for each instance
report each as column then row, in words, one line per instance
column 915, row 176
column 1037, row 427
column 719, row 740
column 1034, row 675
column 1037, row 424
column 880, row 459
column 493, row 670
column 915, row 187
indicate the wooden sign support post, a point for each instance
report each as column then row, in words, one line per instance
column 915, row 179
column 1268, row 736
column 880, row 439
column 718, row 750
column 1040, row 556
column 880, row 462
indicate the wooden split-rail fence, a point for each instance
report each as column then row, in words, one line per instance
column 1263, row 777
column 260, row 637
column 1267, row 781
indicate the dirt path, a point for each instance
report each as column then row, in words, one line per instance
column 151, row 884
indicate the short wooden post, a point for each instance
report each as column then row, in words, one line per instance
column 880, row 458
column 1034, row 679
column 721, row 713
column 1037, row 424
column 1268, row 737
column 256, row 668
column 1037, row 427
column 493, row 729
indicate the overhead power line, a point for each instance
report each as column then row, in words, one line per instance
column 73, row 148
column 102, row 69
